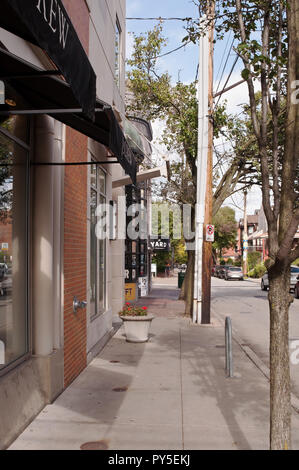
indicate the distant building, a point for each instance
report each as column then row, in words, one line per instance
column 252, row 224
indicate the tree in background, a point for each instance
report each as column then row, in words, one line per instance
column 225, row 230
column 253, row 258
column 156, row 97
column 266, row 39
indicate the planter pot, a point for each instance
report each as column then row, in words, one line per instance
column 137, row 328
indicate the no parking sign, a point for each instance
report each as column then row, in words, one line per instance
column 210, row 233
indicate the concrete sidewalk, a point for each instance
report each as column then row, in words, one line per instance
column 169, row 393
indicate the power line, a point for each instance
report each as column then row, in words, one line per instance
column 224, row 67
column 173, row 50
column 159, row 18
column 216, row 79
column 227, row 80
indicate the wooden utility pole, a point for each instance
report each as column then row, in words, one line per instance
column 245, row 236
column 207, row 246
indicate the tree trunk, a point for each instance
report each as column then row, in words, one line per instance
column 188, row 285
column 280, row 385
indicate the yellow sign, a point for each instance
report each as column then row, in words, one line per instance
column 130, row 292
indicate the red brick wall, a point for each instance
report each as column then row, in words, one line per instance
column 75, row 226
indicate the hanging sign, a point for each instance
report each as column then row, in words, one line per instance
column 160, row 244
column 210, row 233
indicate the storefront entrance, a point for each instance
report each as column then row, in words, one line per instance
column 14, row 192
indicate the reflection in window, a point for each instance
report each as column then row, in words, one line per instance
column 97, row 285
column 93, row 252
column 2, row 92
column 117, row 51
column 13, row 246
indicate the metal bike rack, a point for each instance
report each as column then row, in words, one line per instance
column 228, row 347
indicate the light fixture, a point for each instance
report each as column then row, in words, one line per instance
column 10, row 102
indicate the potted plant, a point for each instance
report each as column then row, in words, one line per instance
column 137, row 323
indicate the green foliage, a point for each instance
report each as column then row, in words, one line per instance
column 161, row 258
column 225, row 229
column 155, row 96
column 258, row 271
column 238, row 262
column 253, row 258
column 296, row 262
column 130, row 310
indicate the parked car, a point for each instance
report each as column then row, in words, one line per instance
column 296, row 290
column 218, row 268
column 233, row 272
column 294, row 275
column 222, row 271
column 3, row 270
column 6, row 283
column 214, row 269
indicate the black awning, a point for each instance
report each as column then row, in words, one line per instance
column 47, row 24
column 49, row 95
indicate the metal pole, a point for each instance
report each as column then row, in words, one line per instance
column 202, row 156
column 228, row 347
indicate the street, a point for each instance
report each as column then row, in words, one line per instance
column 247, row 305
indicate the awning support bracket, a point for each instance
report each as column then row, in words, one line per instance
column 72, row 163
column 16, row 112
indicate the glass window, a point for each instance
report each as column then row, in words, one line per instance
column 102, row 181
column 16, row 125
column 117, row 51
column 2, row 92
column 13, row 246
column 97, row 246
column 93, row 252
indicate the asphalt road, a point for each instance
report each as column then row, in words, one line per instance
column 247, row 305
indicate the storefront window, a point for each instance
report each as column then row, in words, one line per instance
column 97, row 245
column 13, row 241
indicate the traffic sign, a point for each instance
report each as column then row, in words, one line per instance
column 210, row 233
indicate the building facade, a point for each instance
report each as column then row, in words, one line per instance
column 57, row 167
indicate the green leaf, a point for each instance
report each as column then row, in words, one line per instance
column 245, row 74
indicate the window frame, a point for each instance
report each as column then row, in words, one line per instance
column 28, row 147
column 99, row 309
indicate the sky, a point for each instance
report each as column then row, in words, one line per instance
column 183, row 63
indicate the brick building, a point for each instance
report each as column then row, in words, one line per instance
column 61, row 148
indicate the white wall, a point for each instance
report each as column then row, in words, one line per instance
column 101, row 53
column 103, row 15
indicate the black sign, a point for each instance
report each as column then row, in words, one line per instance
column 160, row 244
column 47, row 24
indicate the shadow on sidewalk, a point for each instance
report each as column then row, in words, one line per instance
column 241, row 400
